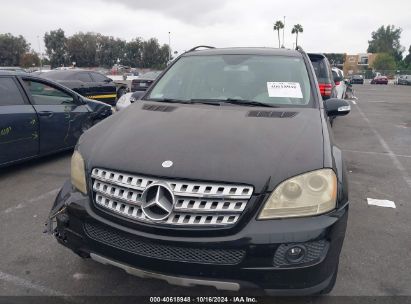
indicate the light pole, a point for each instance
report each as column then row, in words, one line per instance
column 283, row 33
column 41, row 61
column 169, row 46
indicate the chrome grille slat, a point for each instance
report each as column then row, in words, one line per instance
column 196, row 203
column 117, row 193
column 116, row 206
column 207, row 205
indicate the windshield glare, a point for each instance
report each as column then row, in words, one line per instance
column 276, row 80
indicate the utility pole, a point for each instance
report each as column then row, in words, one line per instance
column 283, row 33
column 169, row 46
column 41, row 61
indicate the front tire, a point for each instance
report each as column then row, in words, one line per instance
column 121, row 92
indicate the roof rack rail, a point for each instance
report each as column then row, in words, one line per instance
column 200, row 46
column 299, row 48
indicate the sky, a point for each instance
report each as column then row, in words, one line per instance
column 329, row 26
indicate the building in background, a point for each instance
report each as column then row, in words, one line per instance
column 358, row 64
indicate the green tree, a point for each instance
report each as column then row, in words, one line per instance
column 56, row 47
column 29, row 60
column 109, row 50
column 82, row 49
column 278, row 25
column 12, row 48
column 134, row 53
column 154, row 56
column 336, row 58
column 384, row 62
column 386, row 39
column 407, row 59
column 298, row 28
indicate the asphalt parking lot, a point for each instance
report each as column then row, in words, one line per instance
column 375, row 139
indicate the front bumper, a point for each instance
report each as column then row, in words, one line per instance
column 262, row 242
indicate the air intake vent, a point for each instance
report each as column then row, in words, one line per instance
column 158, row 108
column 271, row 114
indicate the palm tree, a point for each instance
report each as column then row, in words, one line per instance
column 298, row 28
column 277, row 27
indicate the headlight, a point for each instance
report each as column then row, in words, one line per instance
column 78, row 173
column 132, row 99
column 303, row 195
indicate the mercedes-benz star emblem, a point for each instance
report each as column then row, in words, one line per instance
column 157, row 201
column 167, row 164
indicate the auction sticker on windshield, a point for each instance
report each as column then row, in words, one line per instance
column 284, row 89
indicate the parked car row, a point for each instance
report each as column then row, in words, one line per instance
column 380, row 79
column 359, row 79
column 403, row 80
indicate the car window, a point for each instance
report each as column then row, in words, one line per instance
column 278, row 80
column 98, row 77
column 150, row 75
column 321, row 69
column 44, row 94
column 85, row 77
column 10, row 94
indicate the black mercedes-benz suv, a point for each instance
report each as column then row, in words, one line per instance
column 225, row 174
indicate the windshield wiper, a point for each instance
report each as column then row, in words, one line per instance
column 216, row 102
column 248, row 102
column 213, row 102
column 191, row 101
column 170, row 100
column 234, row 101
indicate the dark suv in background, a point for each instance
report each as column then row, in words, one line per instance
column 89, row 84
column 225, row 174
column 356, row 79
column 325, row 78
column 143, row 82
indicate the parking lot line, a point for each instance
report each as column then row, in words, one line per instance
column 387, row 148
column 376, row 153
column 32, row 200
column 29, row 285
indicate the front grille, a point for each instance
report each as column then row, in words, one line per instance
column 163, row 252
column 195, row 203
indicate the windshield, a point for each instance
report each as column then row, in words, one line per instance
column 275, row 80
column 321, row 69
column 150, row 75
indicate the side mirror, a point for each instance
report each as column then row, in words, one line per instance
column 337, row 107
column 79, row 100
column 137, row 96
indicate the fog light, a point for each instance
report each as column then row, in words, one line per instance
column 295, row 254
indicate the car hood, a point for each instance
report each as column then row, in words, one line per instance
column 230, row 144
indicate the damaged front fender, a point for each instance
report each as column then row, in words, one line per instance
column 66, row 196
